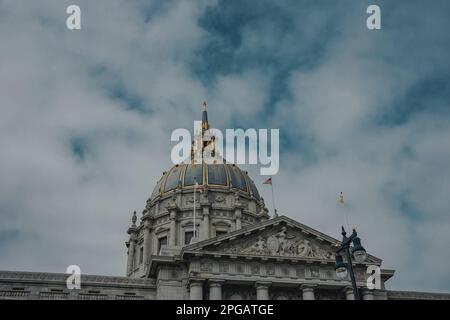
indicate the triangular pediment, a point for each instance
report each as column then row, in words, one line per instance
column 280, row 237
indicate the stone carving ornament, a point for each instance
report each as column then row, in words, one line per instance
column 190, row 199
column 255, row 268
column 305, row 249
column 206, row 266
column 280, row 244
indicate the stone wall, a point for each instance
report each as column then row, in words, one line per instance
column 52, row 286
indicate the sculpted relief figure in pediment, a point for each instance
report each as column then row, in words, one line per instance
column 281, row 243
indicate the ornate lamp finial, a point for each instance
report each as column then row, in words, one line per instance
column 205, row 105
column 343, row 231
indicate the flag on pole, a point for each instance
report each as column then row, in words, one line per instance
column 269, row 181
column 341, row 198
column 198, row 187
column 341, row 203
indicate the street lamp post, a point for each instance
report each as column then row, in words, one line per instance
column 359, row 254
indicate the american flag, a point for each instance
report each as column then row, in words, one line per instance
column 198, row 187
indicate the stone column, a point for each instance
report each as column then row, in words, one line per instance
column 173, row 227
column 215, row 289
column 206, row 232
column 130, row 258
column 147, row 244
column 349, row 293
column 367, row 294
column 196, row 290
column 308, row 292
column 238, row 216
column 262, row 290
column 132, row 231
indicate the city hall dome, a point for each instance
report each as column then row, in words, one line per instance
column 175, row 216
column 214, row 176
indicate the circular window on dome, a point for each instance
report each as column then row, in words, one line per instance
column 217, row 175
column 193, row 171
column 173, row 179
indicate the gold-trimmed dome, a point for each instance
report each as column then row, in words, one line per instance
column 226, row 176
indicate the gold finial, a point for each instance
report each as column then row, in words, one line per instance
column 205, row 105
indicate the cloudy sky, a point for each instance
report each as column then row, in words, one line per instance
column 86, row 118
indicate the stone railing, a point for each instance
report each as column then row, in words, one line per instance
column 92, row 296
column 53, row 295
column 413, row 295
column 44, row 277
column 129, row 297
column 14, row 294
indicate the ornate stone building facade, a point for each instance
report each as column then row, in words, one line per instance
column 275, row 259
column 217, row 244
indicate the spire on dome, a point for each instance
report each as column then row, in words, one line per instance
column 205, row 124
column 199, row 144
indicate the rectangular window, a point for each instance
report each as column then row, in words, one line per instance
column 220, row 232
column 94, row 291
column 161, row 242
column 188, row 237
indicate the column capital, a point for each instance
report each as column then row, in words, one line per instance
column 308, row 287
column 348, row 291
column 215, row 289
column 196, row 282
column 216, row 282
column 308, row 291
column 348, row 288
column 263, row 284
column 262, row 290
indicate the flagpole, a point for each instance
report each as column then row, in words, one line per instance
column 273, row 199
column 195, row 228
column 342, row 205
